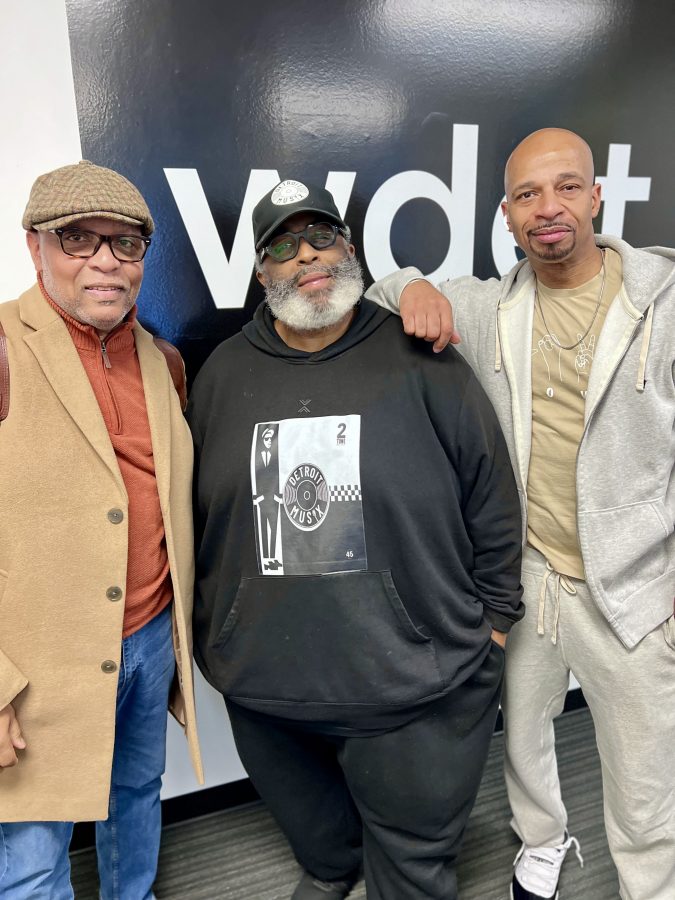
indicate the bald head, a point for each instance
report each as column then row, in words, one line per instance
column 545, row 146
column 551, row 202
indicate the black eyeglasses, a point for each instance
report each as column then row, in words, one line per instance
column 319, row 235
column 85, row 244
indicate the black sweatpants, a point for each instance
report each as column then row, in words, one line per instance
column 398, row 802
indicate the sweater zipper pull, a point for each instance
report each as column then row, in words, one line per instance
column 106, row 358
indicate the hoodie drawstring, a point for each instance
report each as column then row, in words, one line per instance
column 498, row 344
column 644, row 350
column 567, row 586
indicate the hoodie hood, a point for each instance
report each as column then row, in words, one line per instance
column 260, row 331
column 644, row 278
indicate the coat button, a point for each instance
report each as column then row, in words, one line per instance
column 114, row 593
column 115, row 516
column 108, row 666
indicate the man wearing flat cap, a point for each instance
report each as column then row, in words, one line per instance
column 358, row 551
column 96, row 560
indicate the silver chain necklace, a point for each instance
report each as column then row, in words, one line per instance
column 595, row 314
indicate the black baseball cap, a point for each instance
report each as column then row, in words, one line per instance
column 285, row 200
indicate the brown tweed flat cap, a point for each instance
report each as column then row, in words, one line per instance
column 84, row 191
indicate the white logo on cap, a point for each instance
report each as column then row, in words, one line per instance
column 289, row 192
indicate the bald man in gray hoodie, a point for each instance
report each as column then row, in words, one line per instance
column 574, row 347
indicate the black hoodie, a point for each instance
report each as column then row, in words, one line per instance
column 357, row 524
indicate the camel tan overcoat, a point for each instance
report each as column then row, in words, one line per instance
column 61, row 548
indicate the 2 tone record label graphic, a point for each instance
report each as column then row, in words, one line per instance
column 306, row 497
column 307, row 504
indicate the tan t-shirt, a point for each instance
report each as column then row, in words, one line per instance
column 559, row 385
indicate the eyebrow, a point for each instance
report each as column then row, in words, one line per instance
column 565, row 175
column 562, row 176
column 524, row 185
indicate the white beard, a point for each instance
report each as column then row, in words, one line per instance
column 319, row 309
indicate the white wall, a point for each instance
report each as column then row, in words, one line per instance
column 221, row 763
column 39, row 120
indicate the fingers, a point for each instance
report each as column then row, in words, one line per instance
column 409, row 324
column 446, row 331
column 15, row 735
column 419, row 323
column 8, row 757
column 11, row 738
column 499, row 637
column 427, row 325
column 427, row 314
column 437, row 326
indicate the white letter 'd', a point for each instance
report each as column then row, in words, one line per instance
column 459, row 205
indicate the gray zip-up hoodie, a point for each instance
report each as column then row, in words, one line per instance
column 625, row 483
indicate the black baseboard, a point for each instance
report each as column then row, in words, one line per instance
column 236, row 793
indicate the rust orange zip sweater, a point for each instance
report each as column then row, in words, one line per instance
column 115, row 376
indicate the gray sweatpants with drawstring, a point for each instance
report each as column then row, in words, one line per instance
column 631, row 697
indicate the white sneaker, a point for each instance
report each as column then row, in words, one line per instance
column 538, row 870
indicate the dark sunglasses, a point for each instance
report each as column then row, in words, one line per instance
column 85, row 244
column 319, row 235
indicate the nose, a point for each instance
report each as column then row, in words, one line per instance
column 103, row 259
column 549, row 205
column 306, row 253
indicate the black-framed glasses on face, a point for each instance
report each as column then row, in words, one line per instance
column 319, row 235
column 85, row 244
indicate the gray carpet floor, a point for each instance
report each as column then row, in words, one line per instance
column 239, row 854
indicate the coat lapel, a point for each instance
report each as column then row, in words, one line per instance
column 157, row 387
column 514, row 321
column 56, row 355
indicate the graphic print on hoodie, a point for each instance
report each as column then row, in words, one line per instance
column 373, row 442
column 307, row 506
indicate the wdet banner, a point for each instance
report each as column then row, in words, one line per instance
column 407, row 112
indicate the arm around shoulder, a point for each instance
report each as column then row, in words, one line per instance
column 387, row 291
column 425, row 311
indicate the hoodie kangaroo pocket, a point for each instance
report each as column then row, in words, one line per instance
column 325, row 640
column 644, row 529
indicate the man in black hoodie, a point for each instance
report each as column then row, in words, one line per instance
column 356, row 634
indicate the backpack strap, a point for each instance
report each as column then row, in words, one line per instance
column 176, row 368
column 4, row 376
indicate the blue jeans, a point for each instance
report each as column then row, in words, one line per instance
column 34, row 855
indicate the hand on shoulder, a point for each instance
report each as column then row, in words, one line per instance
column 426, row 313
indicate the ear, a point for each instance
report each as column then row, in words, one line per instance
column 505, row 213
column 33, row 242
column 596, row 199
column 262, row 278
column 351, row 249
